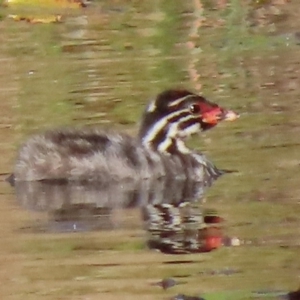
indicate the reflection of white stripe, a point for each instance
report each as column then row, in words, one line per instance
column 180, row 100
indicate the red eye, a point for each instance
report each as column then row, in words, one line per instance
column 194, row 109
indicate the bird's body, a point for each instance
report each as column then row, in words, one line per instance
column 90, row 154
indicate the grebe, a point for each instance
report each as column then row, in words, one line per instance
column 159, row 151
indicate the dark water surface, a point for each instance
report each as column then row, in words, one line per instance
column 100, row 67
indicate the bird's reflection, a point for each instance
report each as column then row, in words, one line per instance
column 170, row 210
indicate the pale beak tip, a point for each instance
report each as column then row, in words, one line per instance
column 231, row 116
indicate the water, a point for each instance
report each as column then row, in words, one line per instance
column 100, row 67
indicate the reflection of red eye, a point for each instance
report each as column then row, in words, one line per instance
column 194, row 109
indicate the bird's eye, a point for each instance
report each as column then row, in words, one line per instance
column 194, row 108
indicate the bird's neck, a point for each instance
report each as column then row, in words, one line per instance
column 160, row 134
column 169, row 146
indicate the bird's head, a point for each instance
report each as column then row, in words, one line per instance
column 177, row 114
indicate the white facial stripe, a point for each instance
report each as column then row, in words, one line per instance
column 180, row 100
column 160, row 125
column 175, row 131
column 164, row 145
column 182, row 147
column 190, row 130
column 151, row 107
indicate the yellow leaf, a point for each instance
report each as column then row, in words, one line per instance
column 45, row 3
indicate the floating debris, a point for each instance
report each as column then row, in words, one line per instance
column 167, row 283
column 35, row 20
column 185, row 297
column 45, row 3
column 220, row 272
column 41, row 11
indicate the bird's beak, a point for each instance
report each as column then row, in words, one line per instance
column 218, row 114
column 230, row 115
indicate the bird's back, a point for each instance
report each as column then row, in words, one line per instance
column 90, row 154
